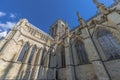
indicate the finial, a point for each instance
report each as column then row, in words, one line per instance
column 82, row 22
column 101, row 7
column 66, row 24
column 95, row 1
column 67, row 28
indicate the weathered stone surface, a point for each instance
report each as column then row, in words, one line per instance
column 64, row 54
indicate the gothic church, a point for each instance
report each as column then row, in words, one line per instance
column 91, row 51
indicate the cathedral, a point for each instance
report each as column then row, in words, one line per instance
column 90, row 51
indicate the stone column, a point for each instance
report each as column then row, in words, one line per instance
column 69, row 61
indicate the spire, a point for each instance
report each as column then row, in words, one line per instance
column 66, row 24
column 101, row 7
column 95, row 1
column 67, row 28
column 81, row 21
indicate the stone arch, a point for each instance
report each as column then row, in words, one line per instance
column 115, row 32
column 23, row 51
column 112, row 32
column 79, row 52
column 60, row 54
column 21, row 42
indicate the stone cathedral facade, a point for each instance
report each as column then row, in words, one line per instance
column 91, row 51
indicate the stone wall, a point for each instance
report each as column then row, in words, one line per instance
column 85, row 72
column 113, row 68
column 61, row 74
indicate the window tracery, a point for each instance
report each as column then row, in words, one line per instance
column 23, row 52
column 32, row 54
column 109, row 44
column 81, row 53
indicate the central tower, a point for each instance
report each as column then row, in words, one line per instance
column 58, row 29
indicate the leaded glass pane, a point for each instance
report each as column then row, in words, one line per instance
column 31, row 55
column 82, row 56
column 109, row 44
column 23, row 51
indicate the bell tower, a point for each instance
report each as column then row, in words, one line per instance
column 58, row 29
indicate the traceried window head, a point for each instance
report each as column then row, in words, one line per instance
column 81, row 53
column 109, row 44
column 23, row 52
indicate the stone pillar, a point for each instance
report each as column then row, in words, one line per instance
column 70, row 74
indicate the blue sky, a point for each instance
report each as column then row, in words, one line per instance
column 43, row 13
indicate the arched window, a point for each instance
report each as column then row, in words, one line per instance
column 63, row 56
column 23, row 52
column 32, row 53
column 109, row 44
column 81, row 53
column 43, row 57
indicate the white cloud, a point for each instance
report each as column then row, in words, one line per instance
column 2, row 14
column 7, row 25
column 3, row 34
column 12, row 15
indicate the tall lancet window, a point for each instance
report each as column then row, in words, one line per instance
column 109, row 44
column 23, row 52
column 43, row 57
column 81, row 53
column 63, row 56
column 32, row 54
